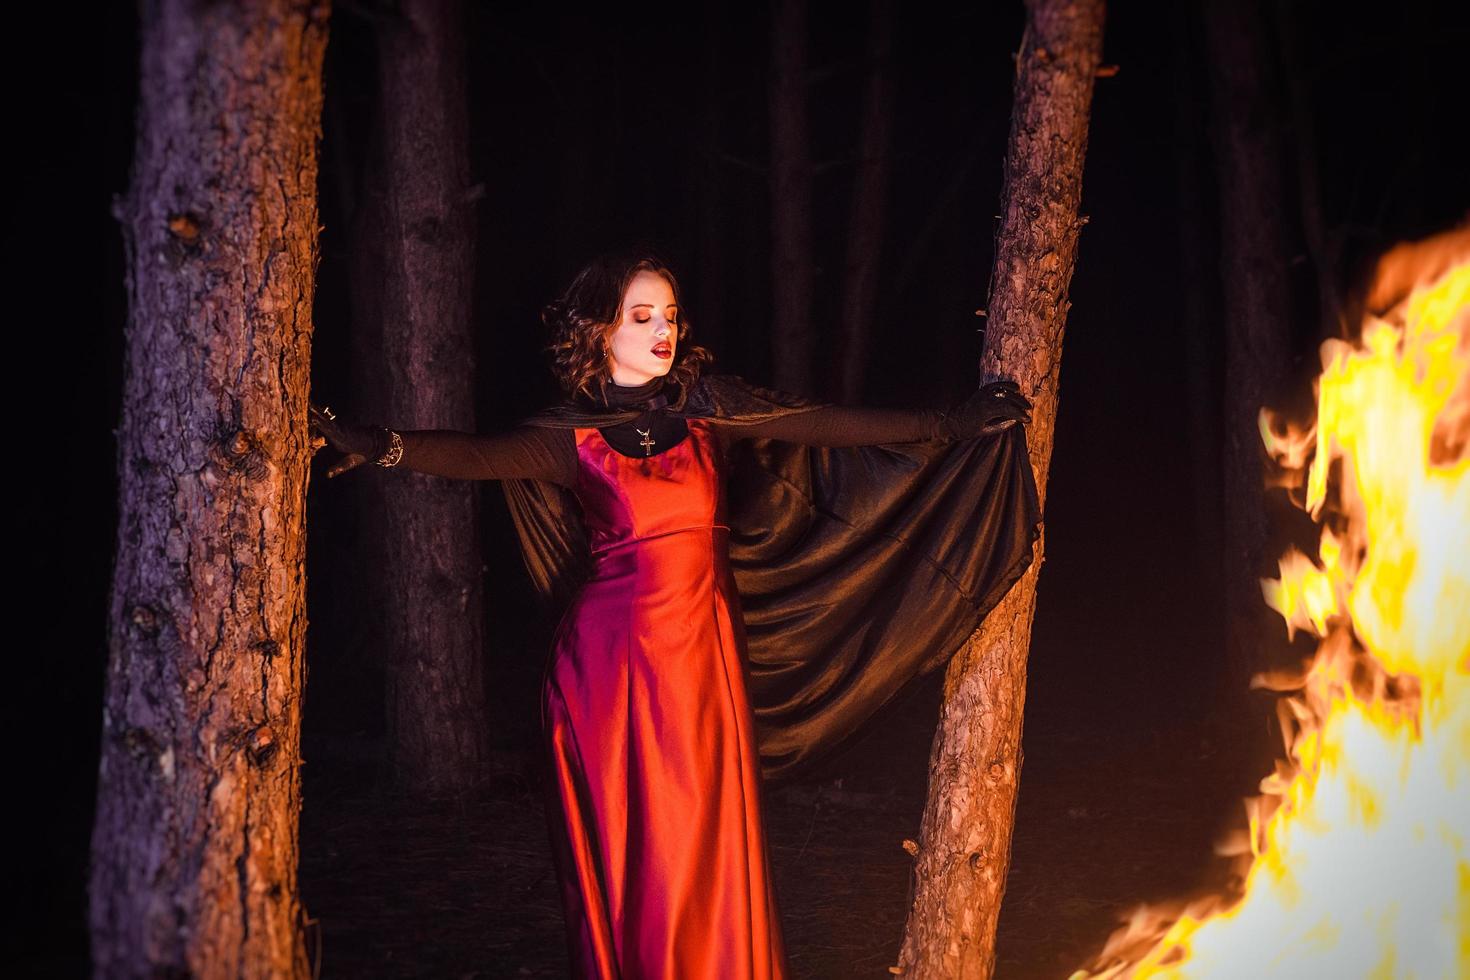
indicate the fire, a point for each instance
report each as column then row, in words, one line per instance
column 1356, row 860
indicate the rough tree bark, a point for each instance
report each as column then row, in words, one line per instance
column 793, row 339
column 195, row 848
column 869, row 207
column 1254, row 263
column 413, row 361
column 975, row 765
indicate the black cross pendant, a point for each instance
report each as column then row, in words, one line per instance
column 647, row 441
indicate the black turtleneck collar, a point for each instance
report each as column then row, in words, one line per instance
column 649, row 395
column 654, row 431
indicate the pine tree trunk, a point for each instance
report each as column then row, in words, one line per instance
column 793, row 339
column 1254, row 262
column 413, row 357
column 964, row 851
column 869, row 208
column 194, row 849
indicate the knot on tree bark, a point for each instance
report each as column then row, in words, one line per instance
column 237, row 445
column 141, row 741
column 145, row 619
column 243, row 452
column 261, row 746
column 184, row 226
column 186, row 239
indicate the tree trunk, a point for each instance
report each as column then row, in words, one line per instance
column 1254, row 265
column 793, row 340
column 869, row 208
column 194, row 849
column 413, row 358
column 974, row 768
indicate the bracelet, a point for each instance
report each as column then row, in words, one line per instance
column 395, row 450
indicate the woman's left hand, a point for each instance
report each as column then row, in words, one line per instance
column 994, row 406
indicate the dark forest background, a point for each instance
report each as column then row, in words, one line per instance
column 599, row 127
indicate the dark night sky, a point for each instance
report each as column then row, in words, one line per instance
column 587, row 132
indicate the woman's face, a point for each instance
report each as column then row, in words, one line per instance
column 643, row 344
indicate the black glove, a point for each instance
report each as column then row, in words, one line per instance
column 997, row 404
column 357, row 443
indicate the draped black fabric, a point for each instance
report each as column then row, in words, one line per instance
column 859, row 568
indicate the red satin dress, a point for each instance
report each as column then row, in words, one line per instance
column 655, row 814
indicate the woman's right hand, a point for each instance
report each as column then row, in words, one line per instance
column 357, row 443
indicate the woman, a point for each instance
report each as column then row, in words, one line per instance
column 619, row 496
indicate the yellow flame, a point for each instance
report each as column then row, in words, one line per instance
column 1356, row 861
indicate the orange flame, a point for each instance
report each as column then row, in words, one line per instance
column 1356, row 860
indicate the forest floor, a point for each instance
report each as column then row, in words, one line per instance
column 466, row 888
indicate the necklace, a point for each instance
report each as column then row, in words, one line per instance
column 647, row 442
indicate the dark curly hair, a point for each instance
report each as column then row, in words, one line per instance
column 583, row 319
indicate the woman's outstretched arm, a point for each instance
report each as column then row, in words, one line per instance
column 524, row 452
column 838, row 425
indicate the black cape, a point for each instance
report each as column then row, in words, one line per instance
column 859, row 568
